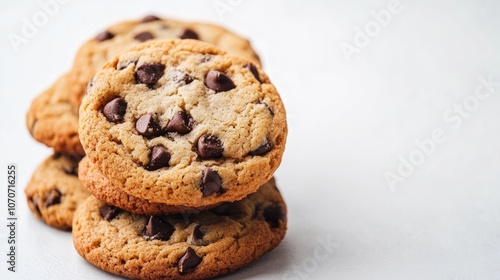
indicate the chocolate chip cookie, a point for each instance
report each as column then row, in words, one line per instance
column 99, row 186
column 53, row 120
column 196, row 246
column 182, row 122
column 54, row 192
column 116, row 38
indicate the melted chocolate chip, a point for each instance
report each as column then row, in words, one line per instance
column 273, row 214
column 254, row 71
column 147, row 126
column 159, row 158
column 158, row 229
column 218, row 81
column 189, row 261
column 115, row 110
column 209, row 146
column 181, row 123
column 109, row 212
column 105, row 35
column 53, row 198
column 211, row 182
column 149, row 73
column 144, row 36
column 261, row 150
column 189, row 34
column 149, row 18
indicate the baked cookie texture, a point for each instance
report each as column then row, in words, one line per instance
column 53, row 116
column 100, row 187
column 53, row 120
column 197, row 246
column 116, row 38
column 54, row 191
column 182, row 122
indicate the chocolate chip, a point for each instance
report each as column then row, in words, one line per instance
column 149, row 18
column 261, row 150
column 115, row 110
column 158, row 229
column 218, row 81
column 189, row 261
column 147, row 126
column 105, row 35
column 181, row 76
column 268, row 107
column 181, row 123
column 189, row 34
column 159, row 158
column 53, row 198
column 197, row 233
column 149, row 73
column 254, row 71
column 273, row 214
column 211, row 182
column 209, row 146
column 144, row 36
column 109, row 212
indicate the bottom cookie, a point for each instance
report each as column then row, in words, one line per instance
column 188, row 246
column 99, row 186
column 54, row 192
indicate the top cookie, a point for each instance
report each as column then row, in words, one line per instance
column 182, row 122
column 95, row 52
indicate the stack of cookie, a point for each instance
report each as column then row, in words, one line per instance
column 182, row 140
column 54, row 190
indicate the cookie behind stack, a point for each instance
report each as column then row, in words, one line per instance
column 186, row 138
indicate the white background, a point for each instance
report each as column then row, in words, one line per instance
column 349, row 122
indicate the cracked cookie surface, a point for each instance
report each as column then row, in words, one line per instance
column 182, row 122
column 188, row 246
column 54, row 191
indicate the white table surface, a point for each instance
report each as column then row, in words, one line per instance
column 350, row 122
